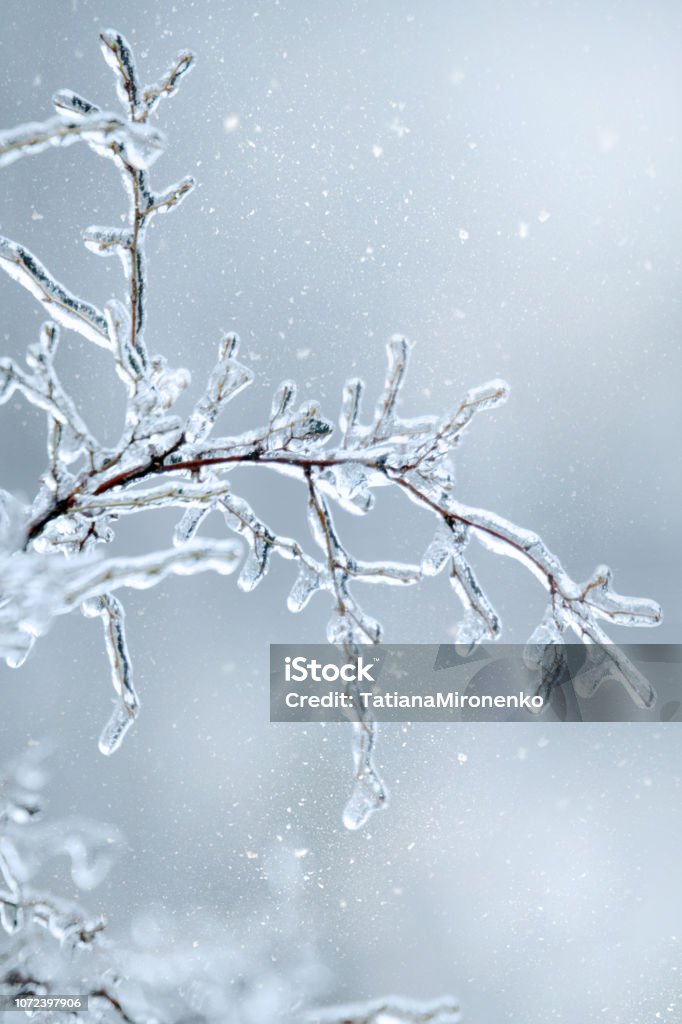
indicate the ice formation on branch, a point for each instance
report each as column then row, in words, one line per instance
column 391, row 1011
column 49, row 562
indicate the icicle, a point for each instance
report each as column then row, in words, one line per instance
column 352, row 627
column 545, row 652
column 114, row 731
column 110, row 610
column 189, row 524
column 307, row 583
column 350, row 409
column 437, row 554
column 547, row 633
column 480, row 619
column 348, row 484
column 369, row 793
column 469, row 631
column 11, row 916
column 606, row 661
column 257, row 563
column 448, row 540
column 19, row 649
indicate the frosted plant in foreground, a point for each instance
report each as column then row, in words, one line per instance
column 162, row 971
column 48, row 558
column 158, row 972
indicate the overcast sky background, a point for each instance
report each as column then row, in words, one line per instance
column 501, row 183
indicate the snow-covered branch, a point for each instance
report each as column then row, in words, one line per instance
column 50, row 561
column 391, row 1011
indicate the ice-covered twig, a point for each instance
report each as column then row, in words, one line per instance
column 163, row 460
column 99, row 129
column 168, row 85
column 228, row 378
column 119, row 56
column 67, row 434
column 70, row 311
column 144, row 571
column 110, row 610
column 394, row 1010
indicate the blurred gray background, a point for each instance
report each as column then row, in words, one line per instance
column 501, row 183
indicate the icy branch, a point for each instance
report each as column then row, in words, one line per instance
column 391, row 1011
column 80, row 120
column 168, row 86
column 110, row 610
column 70, row 311
column 50, row 552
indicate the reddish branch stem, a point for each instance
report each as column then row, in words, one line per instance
column 263, row 458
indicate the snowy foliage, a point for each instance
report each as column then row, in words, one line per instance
column 50, row 946
column 50, row 560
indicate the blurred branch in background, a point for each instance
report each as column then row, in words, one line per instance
column 157, row 973
column 52, row 947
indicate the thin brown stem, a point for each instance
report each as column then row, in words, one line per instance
column 137, row 218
